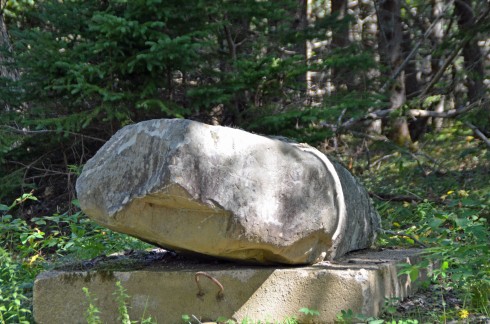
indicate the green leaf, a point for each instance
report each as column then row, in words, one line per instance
column 436, row 223
column 414, row 274
column 445, row 265
column 377, row 321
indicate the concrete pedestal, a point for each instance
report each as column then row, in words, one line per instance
column 167, row 287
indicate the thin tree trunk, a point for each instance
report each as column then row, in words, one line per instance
column 341, row 78
column 299, row 24
column 390, row 50
column 473, row 60
column 436, row 62
column 7, row 70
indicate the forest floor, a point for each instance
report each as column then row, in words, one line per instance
column 435, row 304
column 448, row 174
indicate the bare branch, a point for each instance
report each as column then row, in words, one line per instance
column 445, row 114
column 382, row 113
column 28, row 132
column 231, row 43
column 426, row 35
column 478, row 133
column 453, row 55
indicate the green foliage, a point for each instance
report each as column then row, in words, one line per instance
column 60, row 234
column 15, row 276
column 121, row 297
column 309, row 312
column 91, row 67
column 28, row 247
column 92, row 313
column 446, row 208
column 189, row 319
column 459, row 242
column 348, row 316
column 14, row 301
column 95, row 62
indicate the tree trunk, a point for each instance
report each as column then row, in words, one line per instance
column 342, row 79
column 417, row 126
column 390, row 51
column 473, row 60
column 300, row 23
column 437, row 62
column 7, row 71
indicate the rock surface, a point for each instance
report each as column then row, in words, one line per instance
column 226, row 193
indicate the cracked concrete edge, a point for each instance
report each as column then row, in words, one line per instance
column 258, row 293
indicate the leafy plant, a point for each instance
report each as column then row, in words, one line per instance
column 92, row 313
column 28, row 247
column 14, row 301
column 309, row 312
column 459, row 244
column 121, row 297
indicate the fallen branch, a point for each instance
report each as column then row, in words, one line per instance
column 478, row 133
column 444, row 114
column 382, row 113
column 392, row 197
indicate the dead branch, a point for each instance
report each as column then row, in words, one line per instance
column 392, row 197
column 47, row 172
column 445, row 114
column 478, row 133
column 382, row 113
column 27, row 132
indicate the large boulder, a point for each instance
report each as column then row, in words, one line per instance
column 227, row 193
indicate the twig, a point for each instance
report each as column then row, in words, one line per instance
column 399, row 233
column 478, row 133
column 381, row 159
column 46, row 171
column 198, row 321
column 28, row 132
column 392, row 197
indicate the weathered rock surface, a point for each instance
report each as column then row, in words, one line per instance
column 227, row 193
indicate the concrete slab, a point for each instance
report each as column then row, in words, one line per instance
column 166, row 286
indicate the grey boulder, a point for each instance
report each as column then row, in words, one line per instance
column 226, row 193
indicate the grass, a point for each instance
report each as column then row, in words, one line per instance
column 439, row 194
